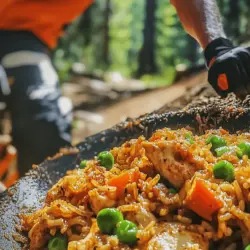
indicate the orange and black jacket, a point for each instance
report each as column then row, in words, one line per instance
column 45, row 18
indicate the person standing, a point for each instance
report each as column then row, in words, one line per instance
column 41, row 116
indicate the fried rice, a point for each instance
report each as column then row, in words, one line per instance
column 165, row 161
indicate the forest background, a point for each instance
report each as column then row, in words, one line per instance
column 141, row 39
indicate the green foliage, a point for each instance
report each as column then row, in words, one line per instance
column 173, row 45
column 236, row 20
column 165, row 78
column 169, row 37
column 73, row 48
column 84, row 40
column 125, row 25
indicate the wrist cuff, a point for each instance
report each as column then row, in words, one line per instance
column 216, row 47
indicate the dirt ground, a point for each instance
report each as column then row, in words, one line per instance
column 88, row 123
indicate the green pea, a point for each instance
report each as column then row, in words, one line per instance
column 244, row 149
column 189, row 138
column 172, row 191
column 83, row 164
column 107, row 220
column 247, row 247
column 126, row 232
column 106, row 159
column 239, row 153
column 216, row 141
column 224, row 170
column 222, row 150
column 58, row 243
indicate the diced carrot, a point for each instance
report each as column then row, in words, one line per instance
column 121, row 181
column 223, row 131
column 202, row 201
column 5, row 163
column 11, row 179
column 155, row 137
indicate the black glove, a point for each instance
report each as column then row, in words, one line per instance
column 229, row 68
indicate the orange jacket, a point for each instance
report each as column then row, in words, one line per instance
column 45, row 18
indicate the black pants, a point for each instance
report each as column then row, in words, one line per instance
column 41, row 117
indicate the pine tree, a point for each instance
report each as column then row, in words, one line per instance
column 147, row 63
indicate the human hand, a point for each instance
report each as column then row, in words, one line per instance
column 229, row 68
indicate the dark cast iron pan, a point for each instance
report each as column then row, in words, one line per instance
column 29, row 192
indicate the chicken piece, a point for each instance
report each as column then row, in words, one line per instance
column 89, row 242
column 38, row 235
column 173, row 236
column 56, row 192
column 141, row 217
column 173, row 161
column 99, row 201
column 144, row 217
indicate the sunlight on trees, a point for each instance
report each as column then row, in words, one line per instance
column 110, row 35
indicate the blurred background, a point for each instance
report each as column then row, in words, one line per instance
column 140, row 39
column 115, row 41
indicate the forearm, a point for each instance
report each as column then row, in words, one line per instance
column 201, row 19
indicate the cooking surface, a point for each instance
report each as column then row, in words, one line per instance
column 28, row 194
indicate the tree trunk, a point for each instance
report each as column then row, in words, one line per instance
column 233, row 18
column 107, row 13
column 85, row 25
column 146, row 58
column 192, row 47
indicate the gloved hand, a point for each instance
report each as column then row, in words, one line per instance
column 229, row 67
